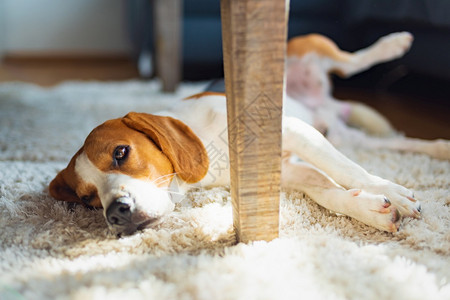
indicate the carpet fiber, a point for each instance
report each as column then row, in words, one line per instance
column 49, row 250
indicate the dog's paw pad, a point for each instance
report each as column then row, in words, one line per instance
column 395, row 220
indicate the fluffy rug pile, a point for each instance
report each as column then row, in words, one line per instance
column 49, row 250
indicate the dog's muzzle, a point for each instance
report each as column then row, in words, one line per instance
column 124, row 218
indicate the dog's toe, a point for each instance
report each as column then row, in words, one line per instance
column 399, row 196
column 376, row 210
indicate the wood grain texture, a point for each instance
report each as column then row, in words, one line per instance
column 254, row 45
column 167, row 16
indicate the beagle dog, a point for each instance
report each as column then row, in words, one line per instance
column 134, row 165
column 311, row 58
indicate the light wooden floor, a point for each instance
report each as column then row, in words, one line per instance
column 415, row 115
column 51, row 71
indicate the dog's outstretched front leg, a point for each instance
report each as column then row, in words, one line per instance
column 371, row 209
column 311, row 146
column 387, row 48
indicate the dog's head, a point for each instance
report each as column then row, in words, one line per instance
column 126, row 166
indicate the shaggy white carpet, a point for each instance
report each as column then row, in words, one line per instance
column 49, row 251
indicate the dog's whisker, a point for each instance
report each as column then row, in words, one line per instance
column 162, row 177
column 184, row 184
column 163, row 181
column 175, row 193
column 156, row 180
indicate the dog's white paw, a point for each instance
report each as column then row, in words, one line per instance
column 400, row 197
column 374, row 210
column 394, row 45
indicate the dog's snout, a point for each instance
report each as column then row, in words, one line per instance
column 119, row 211
column 125, row 217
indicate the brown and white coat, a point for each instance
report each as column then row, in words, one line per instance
column 134, row 166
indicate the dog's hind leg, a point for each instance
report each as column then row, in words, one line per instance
column 439, row 148
column 368, row 119
column 387, row 48
column 371, row 209
column 340, row 134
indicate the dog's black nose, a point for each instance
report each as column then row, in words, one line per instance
column 119, row 211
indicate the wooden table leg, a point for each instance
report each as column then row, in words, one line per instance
column 168, row 17
column 254, row 44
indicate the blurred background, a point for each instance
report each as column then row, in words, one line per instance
column 46, row 42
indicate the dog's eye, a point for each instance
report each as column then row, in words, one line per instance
column 120, row 153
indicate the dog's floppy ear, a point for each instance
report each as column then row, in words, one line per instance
column 60, row 190
column 176, row 140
